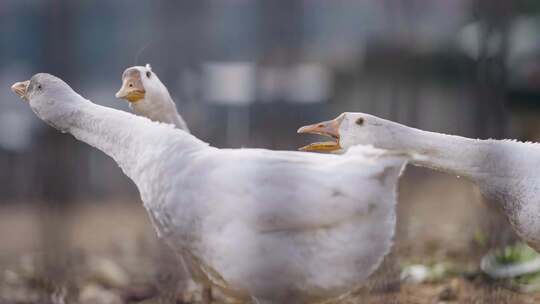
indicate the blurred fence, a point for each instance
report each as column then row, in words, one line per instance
column 248, row 73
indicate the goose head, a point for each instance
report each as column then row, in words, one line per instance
column 133, row 88
column 347, row 130
column 147, row 95
column 143, row 89
column 50, row 98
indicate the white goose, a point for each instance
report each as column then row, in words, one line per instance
column 148, row 96
column 273, row 227
column 506, row 171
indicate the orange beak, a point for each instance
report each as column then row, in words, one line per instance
column 132, row 88
column 328, row 128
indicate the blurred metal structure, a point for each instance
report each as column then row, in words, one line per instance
column 408, row 60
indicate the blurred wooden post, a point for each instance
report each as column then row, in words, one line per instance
column 490, row 115
column 494, row 17
column 58, row 158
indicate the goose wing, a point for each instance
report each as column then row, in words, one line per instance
column 279, row 191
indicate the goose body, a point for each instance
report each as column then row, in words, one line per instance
column 506, row 171
column 279, row 227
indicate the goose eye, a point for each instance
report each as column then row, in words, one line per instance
column 39, row 86
column 148, row 74
column 360, row 121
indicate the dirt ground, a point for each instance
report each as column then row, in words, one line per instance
column 107, row 251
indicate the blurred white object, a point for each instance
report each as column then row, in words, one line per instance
column 470, row 40
column 524, row 38
column 107, row 273
column 231, row 83
column 94, row 294
column 415, row 274
column 302, row 83
column 272, row 83
column 309, row 83
column 419, row 273
column 496, row 270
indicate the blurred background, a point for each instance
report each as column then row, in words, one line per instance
column 248, row 73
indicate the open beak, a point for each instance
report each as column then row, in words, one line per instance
column 19, row 88
column 131, row 90
column 328, row 128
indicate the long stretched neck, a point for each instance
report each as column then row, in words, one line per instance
column 453, row 154
column 177, row 119
column 160, row 108
column 167, row 112
column 132, row 141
